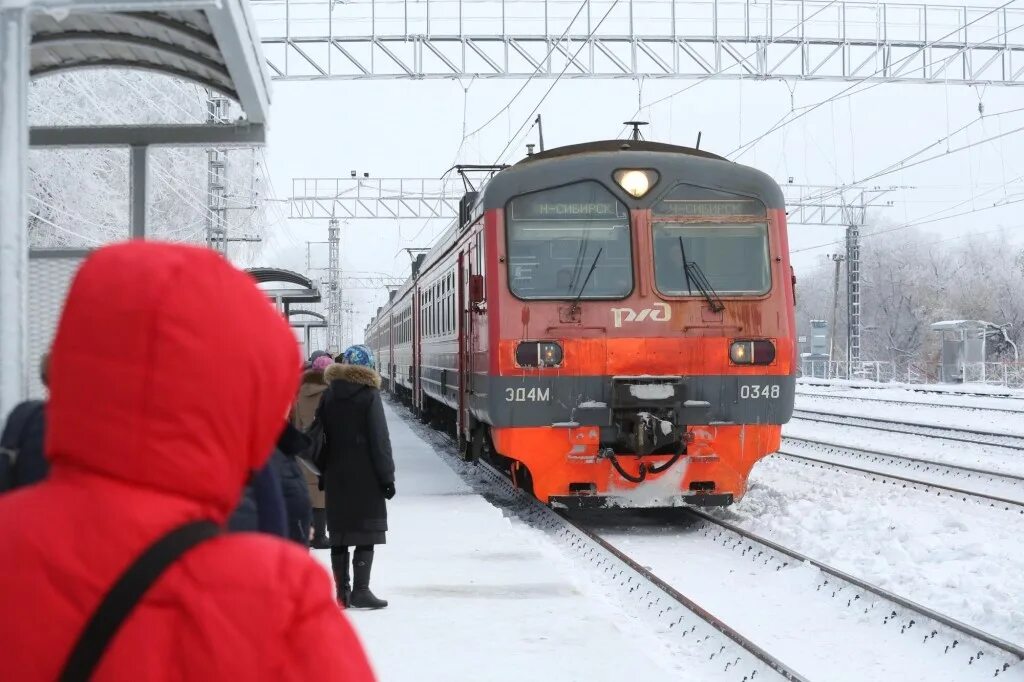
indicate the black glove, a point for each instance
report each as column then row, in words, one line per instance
column 389, row 490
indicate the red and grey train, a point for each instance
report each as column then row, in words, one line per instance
column 612, row 321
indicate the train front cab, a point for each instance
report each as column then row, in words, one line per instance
column 621, row 377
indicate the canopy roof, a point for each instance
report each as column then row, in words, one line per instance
column 208, row 42
column 963, row 325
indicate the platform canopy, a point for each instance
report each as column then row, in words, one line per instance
column 212, row 43
column 209, row 42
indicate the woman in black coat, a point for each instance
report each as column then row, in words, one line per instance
column 358, row 472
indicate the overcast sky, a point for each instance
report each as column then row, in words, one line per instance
column 413, row 129
column 402, row 128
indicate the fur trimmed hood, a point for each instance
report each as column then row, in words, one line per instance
column 356, row 374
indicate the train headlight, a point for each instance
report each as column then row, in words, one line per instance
column 539, row 354
column 754, row 352
column 636, row 181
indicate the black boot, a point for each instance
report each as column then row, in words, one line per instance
column 362, row 598
column 320, row 529
column 342, row 584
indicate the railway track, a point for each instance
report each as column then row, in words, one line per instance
column 888, row 468
column 901, row 612
column 915, row 403
column 948, row 433
column 727, row 653
column 730, row 653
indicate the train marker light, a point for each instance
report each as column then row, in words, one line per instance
column 636, row 181
column 759, row 352
column 539, row 354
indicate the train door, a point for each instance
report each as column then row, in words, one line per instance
column 465, row 333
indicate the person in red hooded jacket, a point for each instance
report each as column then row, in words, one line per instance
column 148, row 429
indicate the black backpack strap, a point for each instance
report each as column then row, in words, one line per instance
column 127, row 592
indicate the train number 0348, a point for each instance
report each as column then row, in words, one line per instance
column 522, row 395
column 754, row 391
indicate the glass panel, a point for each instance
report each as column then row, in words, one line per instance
column 690, row 201
column 733, row 257
column 557, row 236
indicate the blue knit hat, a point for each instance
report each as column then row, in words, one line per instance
column 358, row 355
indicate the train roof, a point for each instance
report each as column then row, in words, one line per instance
column 616, row 146
column 598, row 160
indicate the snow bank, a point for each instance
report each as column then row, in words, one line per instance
column 961, row 559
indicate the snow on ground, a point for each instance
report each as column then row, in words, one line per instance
column 960, row 559
column 477, row 596
column 988, row 457
column 920, row 392
column 783, row 610
column 983, row 420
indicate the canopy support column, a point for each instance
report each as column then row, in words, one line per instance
column 137, row 191
column 14, row 75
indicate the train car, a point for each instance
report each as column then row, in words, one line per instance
column 611, row 321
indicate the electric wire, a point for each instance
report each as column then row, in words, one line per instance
column 745, row 147
column 743, row 61
column 583, row 43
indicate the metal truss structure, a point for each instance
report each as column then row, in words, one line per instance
column 830, row 205
column 848, row 206
column 333, row 282
column 777, row 39
column 425, row 198
column 390, row 198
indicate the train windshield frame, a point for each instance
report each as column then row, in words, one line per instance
column 725, row 236
column 568, row 242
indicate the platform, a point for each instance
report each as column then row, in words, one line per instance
column 478, row 596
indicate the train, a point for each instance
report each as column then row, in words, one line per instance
column 611, row 323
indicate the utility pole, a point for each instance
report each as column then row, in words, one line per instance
column 216, row 166
column 334, row 322
column 218, row 112
column 838, row 259
column 853, row 295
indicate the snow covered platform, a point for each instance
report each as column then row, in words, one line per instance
column 476, row 595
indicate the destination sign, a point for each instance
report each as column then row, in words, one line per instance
column 709, row 208
column 566, row 210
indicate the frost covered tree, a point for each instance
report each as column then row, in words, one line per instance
column 79, row 197
column 910, row 280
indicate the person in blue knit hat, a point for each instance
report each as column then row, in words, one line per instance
column 358, row 472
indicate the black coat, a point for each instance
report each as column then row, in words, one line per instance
column 293, row 484
column 21, row 446
column 356, row 459
column 277, row 501
column 262, row 506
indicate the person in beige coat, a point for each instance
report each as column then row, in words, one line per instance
column 310, row 391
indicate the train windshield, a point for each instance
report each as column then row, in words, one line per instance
column 723, row 236
column 734, row 258
column 569, row 242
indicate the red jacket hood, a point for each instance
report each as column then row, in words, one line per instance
column 170, row 370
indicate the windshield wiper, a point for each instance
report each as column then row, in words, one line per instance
column 577, row 266
column 694, row 274
column 576, row 302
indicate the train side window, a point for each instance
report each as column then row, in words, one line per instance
column 480, row 259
